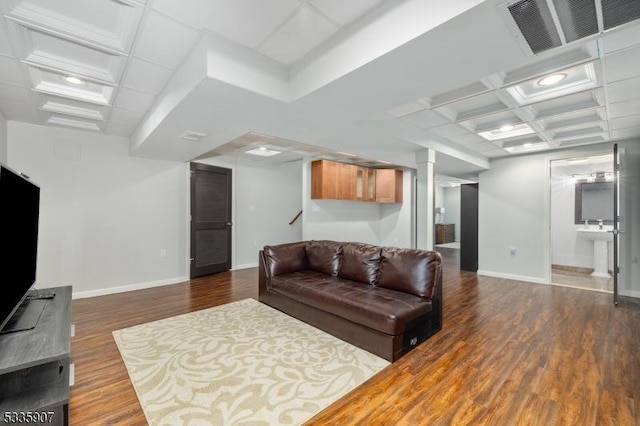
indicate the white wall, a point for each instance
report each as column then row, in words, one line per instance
column 265, row 198
column 104, row 216
column 3, row 139
column 396, row 219
column 452, row 208
column 513, row 211
column 359, row 221
column 439, row 202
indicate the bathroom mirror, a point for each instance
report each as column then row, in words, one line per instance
column 594, row 202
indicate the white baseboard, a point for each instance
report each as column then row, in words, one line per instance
column 129, row 287
column 630, row 293
column 513, row 277
column 245, row 266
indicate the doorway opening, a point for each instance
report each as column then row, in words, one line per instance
column 581, row 222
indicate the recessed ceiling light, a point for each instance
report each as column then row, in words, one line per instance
column 516, row 130
column 506, row 128
column 552, row 79
column 73, row 80
column 262, row 152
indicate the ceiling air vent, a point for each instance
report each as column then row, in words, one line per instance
column 546, row 24
column 190, row 135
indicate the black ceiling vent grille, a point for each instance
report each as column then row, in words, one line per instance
column 618, row 12
column 546, row 24
column 535, row 22
column 578, row 18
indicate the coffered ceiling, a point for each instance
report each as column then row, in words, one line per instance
column 379, row 79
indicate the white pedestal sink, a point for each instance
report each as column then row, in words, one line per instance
column 600, row 237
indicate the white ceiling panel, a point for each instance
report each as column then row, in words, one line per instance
column 623, row 64
column 567, row 104
column 73, row 122
column 164, row 41
column 15, row 94
column 626, row 133
column 448, row 130
column 344, row 12
column 425, row 119
column 580, row 118
column 622, row 109
column 119, row 129
column 56, row 105
column 11, row 72
column 405, row 109
column 110, row 25
column 474, row 107
column 622, row 39
column 466, row 139
column 145, row 76
column 26, row 113
column 304, row 31
column 126, row 116
column 630, row 121
column 53, row 83
column 493, row 121
column 226, row 17
column 624, row 90
column 49, row 51
column 133, row 99
column 5, row 46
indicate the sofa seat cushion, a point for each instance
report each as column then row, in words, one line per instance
column 378, row 308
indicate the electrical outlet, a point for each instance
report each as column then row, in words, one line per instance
column 163, row 253
column 512, row 250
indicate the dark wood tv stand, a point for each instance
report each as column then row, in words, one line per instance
column 35, row 367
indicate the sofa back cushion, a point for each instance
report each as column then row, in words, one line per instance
column 324, row 256
column 360, row 262
column 285, row 258
column 409, row 270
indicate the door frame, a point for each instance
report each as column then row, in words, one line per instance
column 588, row 150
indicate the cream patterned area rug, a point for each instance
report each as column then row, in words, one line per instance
column 240, row 363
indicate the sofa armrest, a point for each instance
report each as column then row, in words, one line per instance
column 264, row 280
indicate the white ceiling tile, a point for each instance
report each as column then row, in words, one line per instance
column 476, row 106
column 579, row 118
column 622, row 109
column 126, row 116
column 624, row 90
column 11, row 72
column 344, row 12
column 493, row 121
column 119, row 129
column 566, row 104
column 73, row 122
column 630, row 121
column 15, row 94
column 304, row 31
column 224, row 17
column 466, row 139
column 145, row 76
column 425, row 119
column 53, row 83
column 17, row 112
column 133, row 100
column 622, row 39
column 626, row 133
column 448, row 130
column 623, row 64
column 164, row 41
column 405, row 109
column 58, row 105
column 108, row 24
column 53, row 52
column 5, row 46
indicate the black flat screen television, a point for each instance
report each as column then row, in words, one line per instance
column 19, row 213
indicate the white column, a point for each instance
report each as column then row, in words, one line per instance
column 425, row 199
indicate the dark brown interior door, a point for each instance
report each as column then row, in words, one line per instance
column 210, row 219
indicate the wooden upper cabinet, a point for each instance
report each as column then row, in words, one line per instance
column 342, row 181
column 388, row 186
column 346, row 181
column 324, row 179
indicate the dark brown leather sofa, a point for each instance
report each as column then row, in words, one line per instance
column 381, row 299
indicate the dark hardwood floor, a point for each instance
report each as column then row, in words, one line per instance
column 509, row 353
